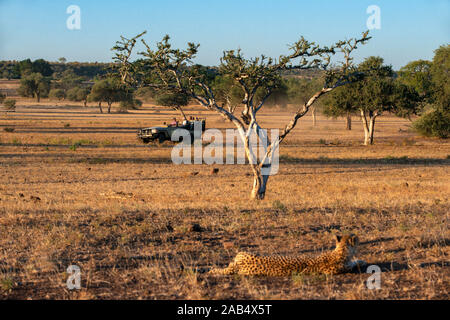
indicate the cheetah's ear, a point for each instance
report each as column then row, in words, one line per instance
column 337, row 238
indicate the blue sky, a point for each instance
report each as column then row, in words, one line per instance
column 410, row 30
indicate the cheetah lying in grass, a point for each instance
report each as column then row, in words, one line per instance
column 339, row 260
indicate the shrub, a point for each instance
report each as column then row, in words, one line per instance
column 434, row 124
column 2, row 97
column 77, row 94
column 57, row 94
column 130, row 104
column 10, row 104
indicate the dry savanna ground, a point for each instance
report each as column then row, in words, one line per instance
column 77, row 188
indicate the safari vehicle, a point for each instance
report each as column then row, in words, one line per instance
column 165, row 132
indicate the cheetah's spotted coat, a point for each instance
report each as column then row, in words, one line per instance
column 335, row 262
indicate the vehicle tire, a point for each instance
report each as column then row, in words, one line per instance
column 161, row 138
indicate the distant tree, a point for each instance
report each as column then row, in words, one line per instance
column 108, row 90
column 57, row 94
column 43, row 67
column 78, row 94
column 174, row 100
column 417, row 74
column 299, row 90
column 436, row 121
column 378, row 92
column 34, row 85
column 440, row 71
column 130, row 103
column 341, row 103
column 67, row 80
column 26, row 67
column 279, row 96
column 62, row 60
column 146, row 94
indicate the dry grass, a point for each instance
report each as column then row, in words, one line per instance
column 89, row 194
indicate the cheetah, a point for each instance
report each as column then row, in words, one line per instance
column 340, row 260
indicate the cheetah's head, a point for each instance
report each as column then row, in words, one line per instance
column 348, row 242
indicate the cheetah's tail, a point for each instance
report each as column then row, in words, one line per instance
column 231, row 269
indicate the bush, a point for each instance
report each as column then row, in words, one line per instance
column 434, row 124
column 10, row 104
column 147, row 94
column 130, row 104
column 56, row 94
column 77, row 94
column 2, row 97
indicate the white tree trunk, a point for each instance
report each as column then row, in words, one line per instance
column 259, row 186
column 368, row 119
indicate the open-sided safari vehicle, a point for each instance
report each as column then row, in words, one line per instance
column 165, row 132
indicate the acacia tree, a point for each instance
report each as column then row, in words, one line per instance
column 376, row 93
column 250, row 75
column 174, row 100
column 340, row 103
column 34, row 85
column 417, row 74
column 78, row 94
column 108, row 90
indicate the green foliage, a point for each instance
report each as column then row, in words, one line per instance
column 434, row 124
column 78, row 94
column 146, row 94
column 34, row 85
column 172, row 99
column 340, row 102
column 43, row 67
column 440, row 71
column 377, row 92
column 108, row 90
column 19, row 69
column 26, row 67
column 10, row 104
column 300, row 90
column 68, row 80
column 227, row 92
column 130, row 104
column 56, row 94
column 417, row 74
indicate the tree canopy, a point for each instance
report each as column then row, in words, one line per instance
column 34, row 85
column 108, row 90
